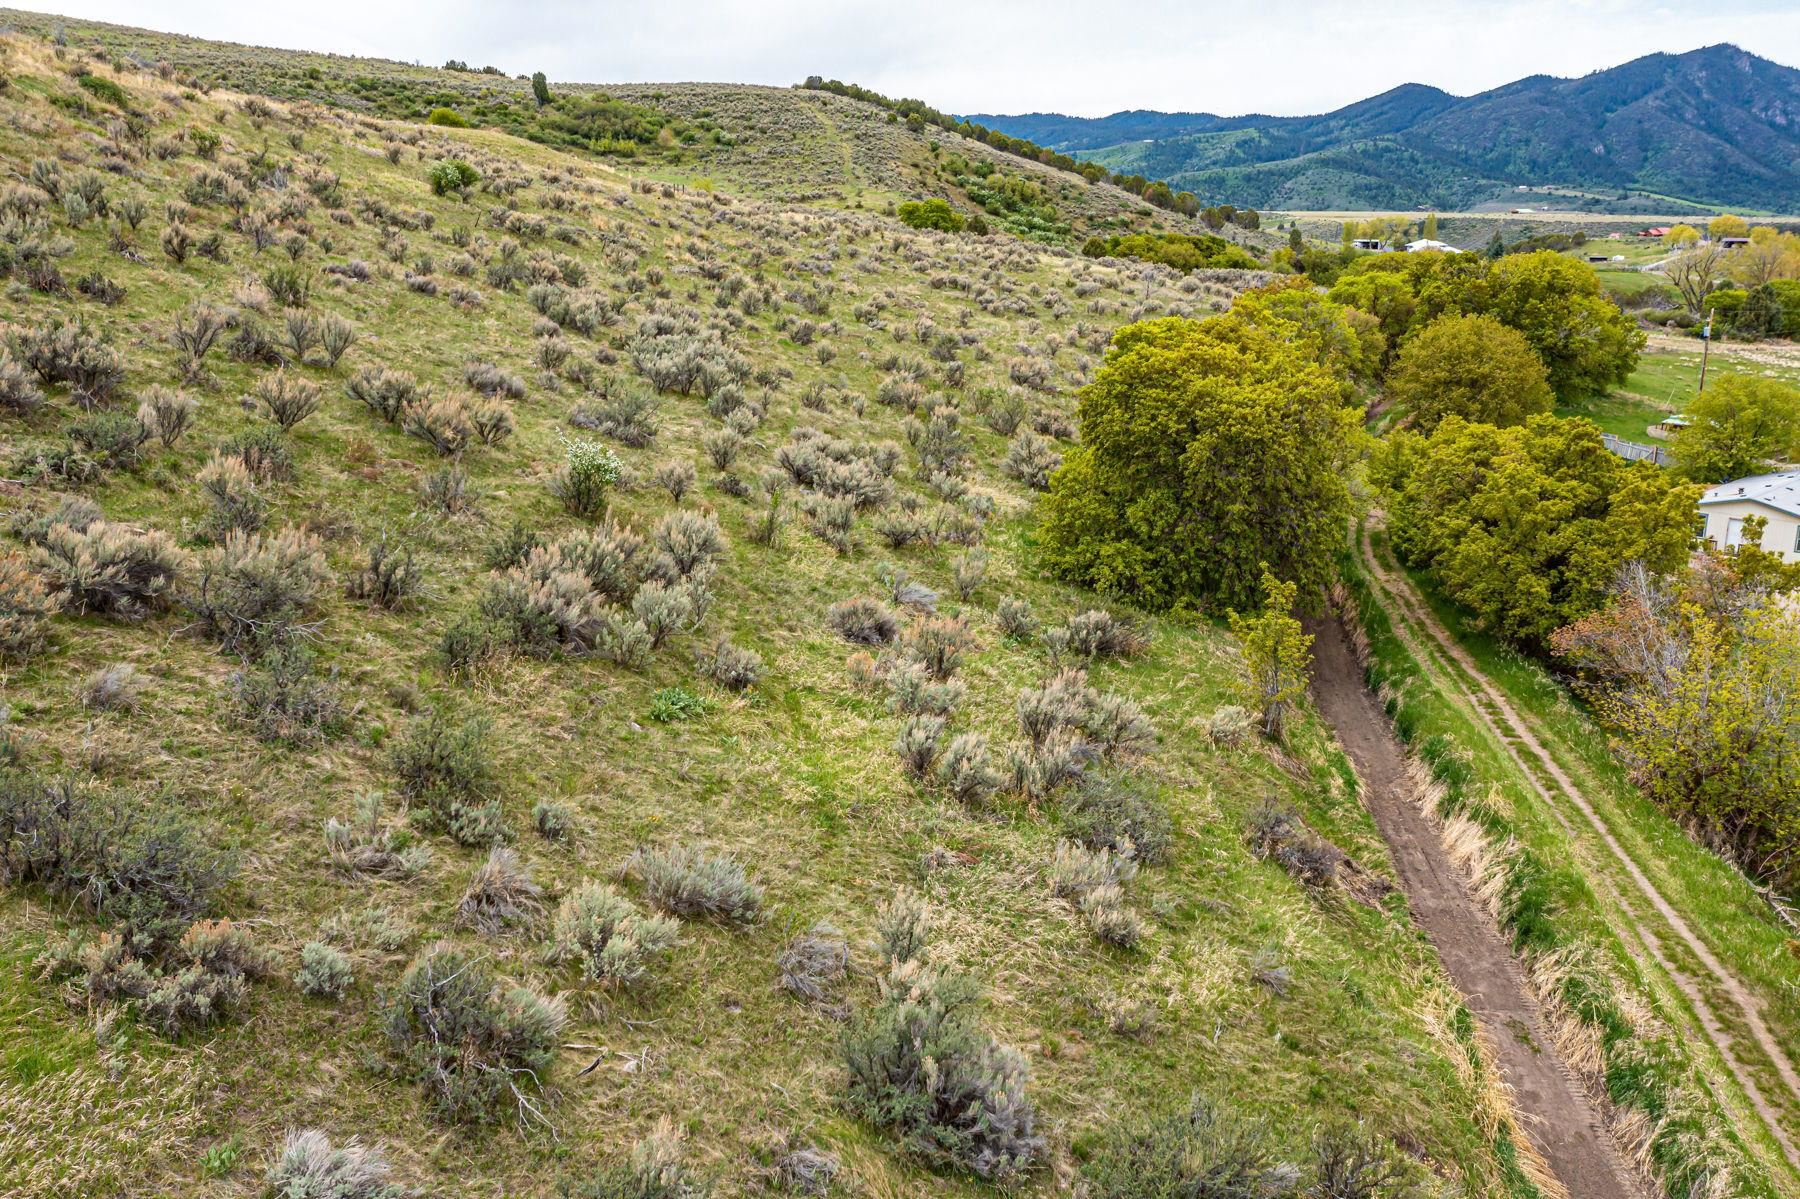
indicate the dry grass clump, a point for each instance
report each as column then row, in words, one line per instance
column 309, row 1166
column 863, row 621
column 814, row 962
column 501, row 894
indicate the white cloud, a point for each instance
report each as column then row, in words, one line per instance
column 1277, row 56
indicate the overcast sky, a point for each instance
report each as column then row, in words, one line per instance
column 1075, row 56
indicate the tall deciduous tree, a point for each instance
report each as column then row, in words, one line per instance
column 1469, row 366
column 1207, row 449
column 1528, row 526
column 1740, row 426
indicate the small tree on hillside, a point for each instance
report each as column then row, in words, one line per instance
column 1276, row 653
column 540, row 88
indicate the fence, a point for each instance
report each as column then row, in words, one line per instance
column 1635, row 451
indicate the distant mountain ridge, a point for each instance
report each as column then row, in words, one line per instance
column 1716, row 126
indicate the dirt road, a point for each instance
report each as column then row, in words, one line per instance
column 1553, row 1109
column 1566, row 802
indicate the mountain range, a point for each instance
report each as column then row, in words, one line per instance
column 1714, row 127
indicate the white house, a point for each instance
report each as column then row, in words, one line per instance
column 1430, row 243
column 1775, row 498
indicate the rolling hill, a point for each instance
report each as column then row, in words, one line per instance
column 1716, row 126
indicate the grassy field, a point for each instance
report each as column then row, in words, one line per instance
column 826, row 312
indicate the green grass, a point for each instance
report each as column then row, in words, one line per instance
column 798, row 779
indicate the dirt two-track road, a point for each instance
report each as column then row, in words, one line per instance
column 1553, row 1109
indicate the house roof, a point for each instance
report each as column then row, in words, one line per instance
column 1780, row 491
column 1428, row 243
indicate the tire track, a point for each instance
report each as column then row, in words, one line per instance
column 1516, row 736
column 1555, row 1113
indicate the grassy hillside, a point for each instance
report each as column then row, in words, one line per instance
column 790, row 144
column 562, row 285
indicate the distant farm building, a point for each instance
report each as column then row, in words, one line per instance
column 1669, row 425
column 1658, row 231
column 1430, row 243
column 1732, row 243
column 1367, row 243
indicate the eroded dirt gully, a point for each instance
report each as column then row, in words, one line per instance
column 1552, row 1108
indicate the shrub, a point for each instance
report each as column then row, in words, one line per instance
column 863, row 621
column 1014, row 617
column 386, row 393
column 919, row 1062
column 1112, row 813
column 289, row 286
column 390, row 579
column 917, row 743
column 552, row 820
column 285, row 701
column 1031, row 460
column 966, row 769
column 444, row 762
column 656, row 1170
column 1280, row 836
column 253, row 589
column 930, row 214
column 73, row 354
column 937, row 644
column 18, row 394
column 309, row 1167
column 968, row 571
column 447, row 490
column 489, row 380
column 451, row 176
column 676, row 478
column 1100, row 634
column 264, row 452
column 203, row 980
column 444, row 424
column 479, row 1047
column 146, row 869
column 688, row 882
column 731, row 667
column 336, row 335
column 813, row 962
column 324, row 971
column 625, row 414
column 662, row 610
column 109, row 569
column 688, row 547
column 26, row 606
column 166, row 415
column 1204, row 1150
column 237, row 506
column 603, row 931
column 1117, row 725
column 288, row 401
column 589, row 470
column 1349, row 1162
column 111, row 439
column 194, row 334
column 364, row 845
column 500, row 894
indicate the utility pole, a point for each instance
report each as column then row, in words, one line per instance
column 1705, row 348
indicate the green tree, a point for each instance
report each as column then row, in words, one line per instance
column 540, row 89
column 1741, row 425
column 1276, row 654
column 1727, row 225
column 1496, row 247
column 1587, row 344
column 452, row 176
column 931, row 214
column 1469, row 366
column 1207, row 448
column 1430, row 228
column 1528, row 526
